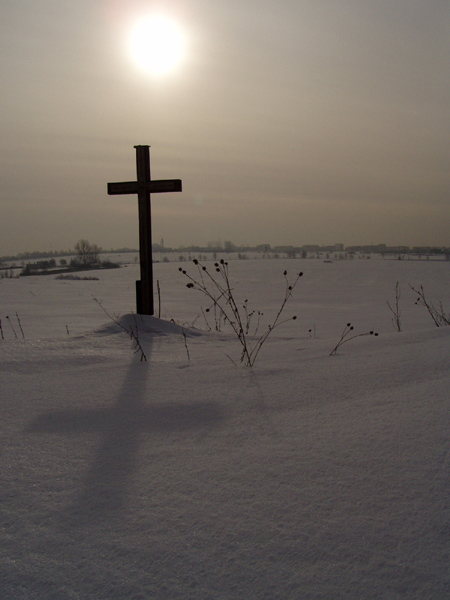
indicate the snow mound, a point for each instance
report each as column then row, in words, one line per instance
column 145, row 324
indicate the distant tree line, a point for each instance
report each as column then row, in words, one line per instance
column 87, row 256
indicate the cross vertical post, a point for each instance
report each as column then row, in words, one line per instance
column 144, row 287
column 143, row 187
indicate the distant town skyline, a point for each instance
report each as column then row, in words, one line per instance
column 229, row 247
column 289, row 122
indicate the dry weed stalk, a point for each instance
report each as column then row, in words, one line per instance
column 185, row 343
column 226, row 309
column 2, row 333
column 132, row 332
column 12, row 327
column 20, row 325
column 347, row 336
column 396, row 312
column 440, row 318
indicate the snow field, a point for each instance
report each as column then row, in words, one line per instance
column 309, row 476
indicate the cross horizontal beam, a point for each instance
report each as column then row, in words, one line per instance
column 154, row 186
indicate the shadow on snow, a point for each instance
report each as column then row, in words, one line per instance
column 120, row 428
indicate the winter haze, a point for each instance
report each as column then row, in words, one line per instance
column 288, row 122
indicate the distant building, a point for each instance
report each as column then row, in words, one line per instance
column 372, row 249
column 311, row 248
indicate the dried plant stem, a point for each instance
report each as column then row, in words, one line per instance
column 185, row 343
column 440, row 318
column 20, row 326
column 14, row 331
column 396, row 309
column 276, row 322
column 347, row 336
column 133, row 333
column 219, row 291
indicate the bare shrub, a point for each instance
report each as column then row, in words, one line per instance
column 227, row 310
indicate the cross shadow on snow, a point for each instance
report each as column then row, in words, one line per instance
column 121, row 428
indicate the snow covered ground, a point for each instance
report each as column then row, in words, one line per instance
column 309, row 476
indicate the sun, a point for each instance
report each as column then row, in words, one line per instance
column 157, row 45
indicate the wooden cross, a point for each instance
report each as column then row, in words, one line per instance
column 143, row 187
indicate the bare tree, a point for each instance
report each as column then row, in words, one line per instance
column 87, row 254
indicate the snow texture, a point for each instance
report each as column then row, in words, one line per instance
column 309, row 476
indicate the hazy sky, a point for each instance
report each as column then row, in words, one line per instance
column 289, row 122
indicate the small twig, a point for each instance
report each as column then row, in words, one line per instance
column 206, row 320
column 438, row 315
column 228, row 356
column 185, row 343
column 258, row 320
column 67, row 329
column 20, row 326
column 396, row 310
column 134, row 335
column 1, row 330
column 14, row 331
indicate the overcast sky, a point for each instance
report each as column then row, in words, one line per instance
column 289, row 122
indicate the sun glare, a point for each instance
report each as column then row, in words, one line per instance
column 157, row 45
